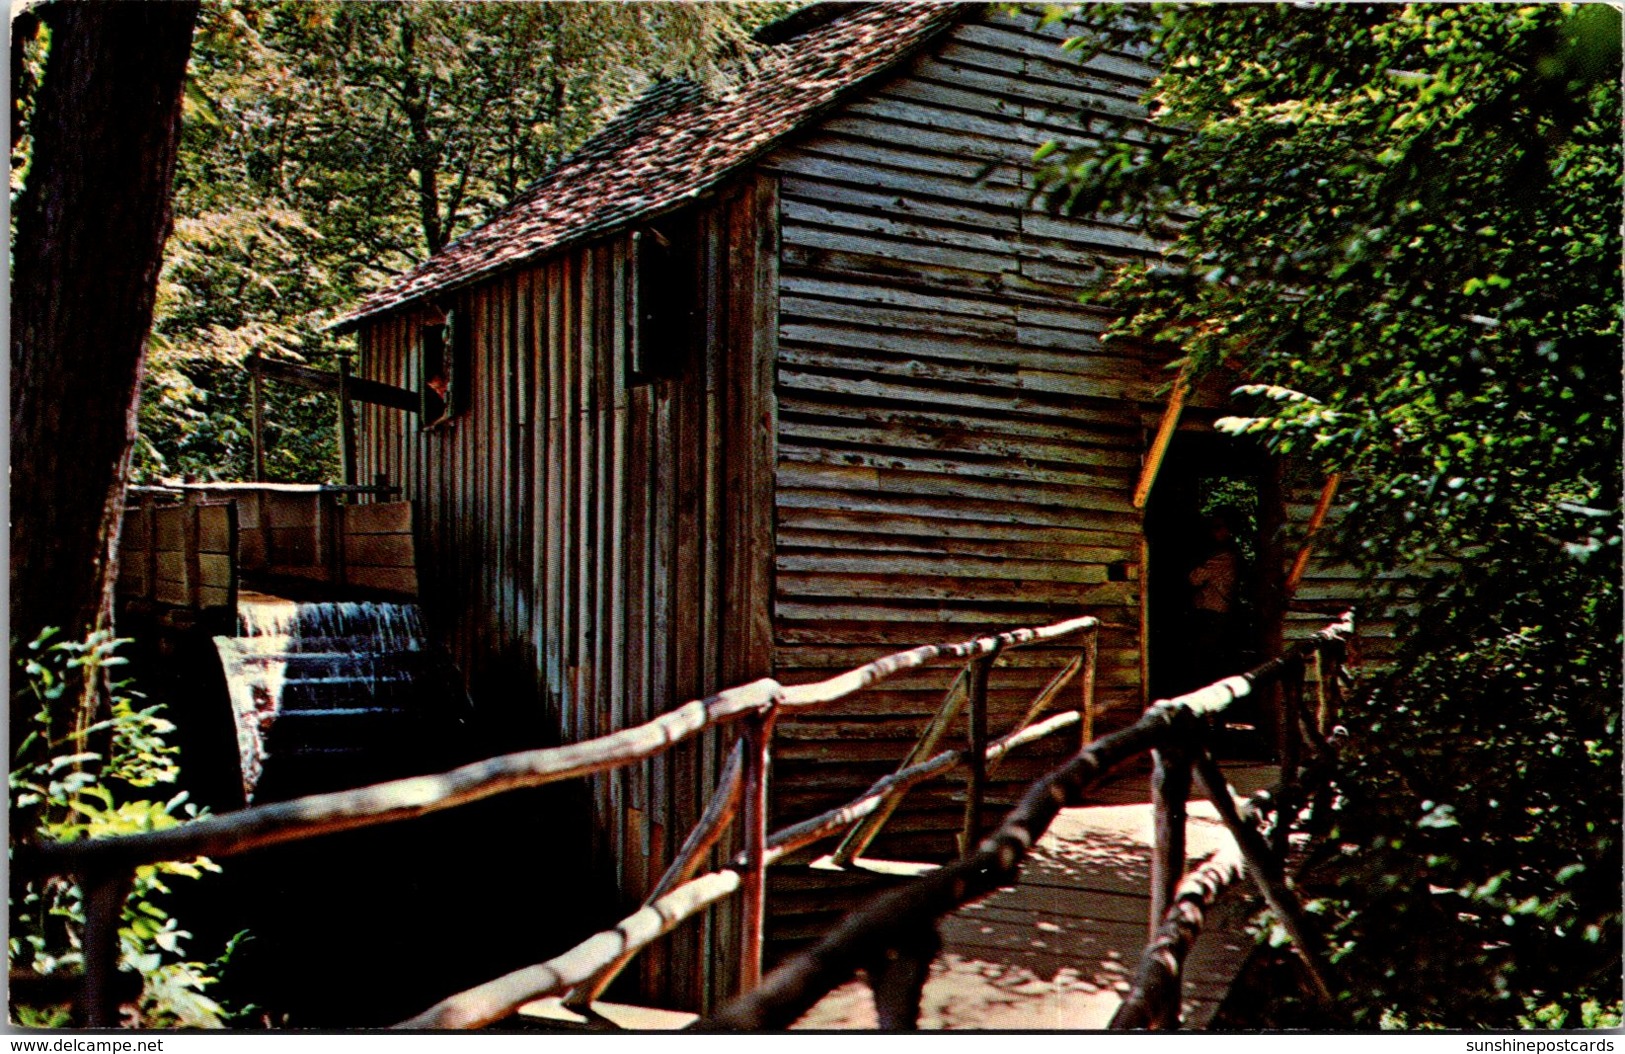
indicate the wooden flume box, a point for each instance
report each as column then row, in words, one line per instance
column 191, row 547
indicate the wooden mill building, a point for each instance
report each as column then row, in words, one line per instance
column 769, row 381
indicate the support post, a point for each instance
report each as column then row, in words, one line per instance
column 1330, row 658
column 257, row 390
column 976, row 761
column 1291, row 750
column 149, row 509
column 104, row 909
column 1091, row 656
column 190, row 558
column 1170, row 788
column 1154, row 1002
column 897, row 978
column 719, row 812
column 757, row 732
column 346, row 422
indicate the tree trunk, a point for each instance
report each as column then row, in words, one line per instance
column 90, row 231
column 425, row 158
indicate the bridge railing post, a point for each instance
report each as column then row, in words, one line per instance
column 1091, row 657
column 1291, row 754
column 1170, row 789
column 104, row 895
column 976, row 757
column 897, row 979
column 757, row 735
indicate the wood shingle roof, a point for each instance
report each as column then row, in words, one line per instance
column 675, row 143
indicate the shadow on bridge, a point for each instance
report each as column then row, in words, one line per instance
column 1059, row 950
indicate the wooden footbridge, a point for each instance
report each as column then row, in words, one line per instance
column 1077, row 911
column 1058, row 949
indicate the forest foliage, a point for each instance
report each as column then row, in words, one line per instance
column 328, row 147
column 1403, row 223
column 99, row 782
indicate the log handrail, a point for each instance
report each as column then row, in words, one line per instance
column 318, row 814
column 263, row 825
column 496, row 999
column 103, row 866
column 603, row 958
column 896, row 919
column 820, row 693
column 964, row 689
column 893, row 937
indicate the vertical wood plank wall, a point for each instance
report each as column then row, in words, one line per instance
column 594, row 553
column 957, row 450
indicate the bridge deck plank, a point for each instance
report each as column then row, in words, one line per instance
column 1058, row 950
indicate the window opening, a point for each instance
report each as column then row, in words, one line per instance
column 443, row 369
column 666, row 300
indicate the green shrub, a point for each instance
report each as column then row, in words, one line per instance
column 64, row 791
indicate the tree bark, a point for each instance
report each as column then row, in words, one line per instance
column 90, row 231
column 425, row 158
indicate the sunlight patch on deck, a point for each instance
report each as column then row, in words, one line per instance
column 1058, row 950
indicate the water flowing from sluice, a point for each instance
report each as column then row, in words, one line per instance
column 333, row 694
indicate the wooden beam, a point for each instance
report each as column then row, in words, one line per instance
column 1154, row 1002
column 257, row 396
column 859, row 838
column 1268, row 875
column 1165, row 435
column 1091, row 661
column 1316, row 520
column 358, row 388
column 365, row 391
column 346, row 422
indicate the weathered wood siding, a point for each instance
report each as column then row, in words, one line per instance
column 594, row 552
column 1330, row 587
column 957, row 450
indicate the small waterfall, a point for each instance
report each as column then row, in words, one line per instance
column 335, row 694
column 370, row 625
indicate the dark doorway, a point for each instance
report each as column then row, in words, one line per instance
column 1210, row 527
